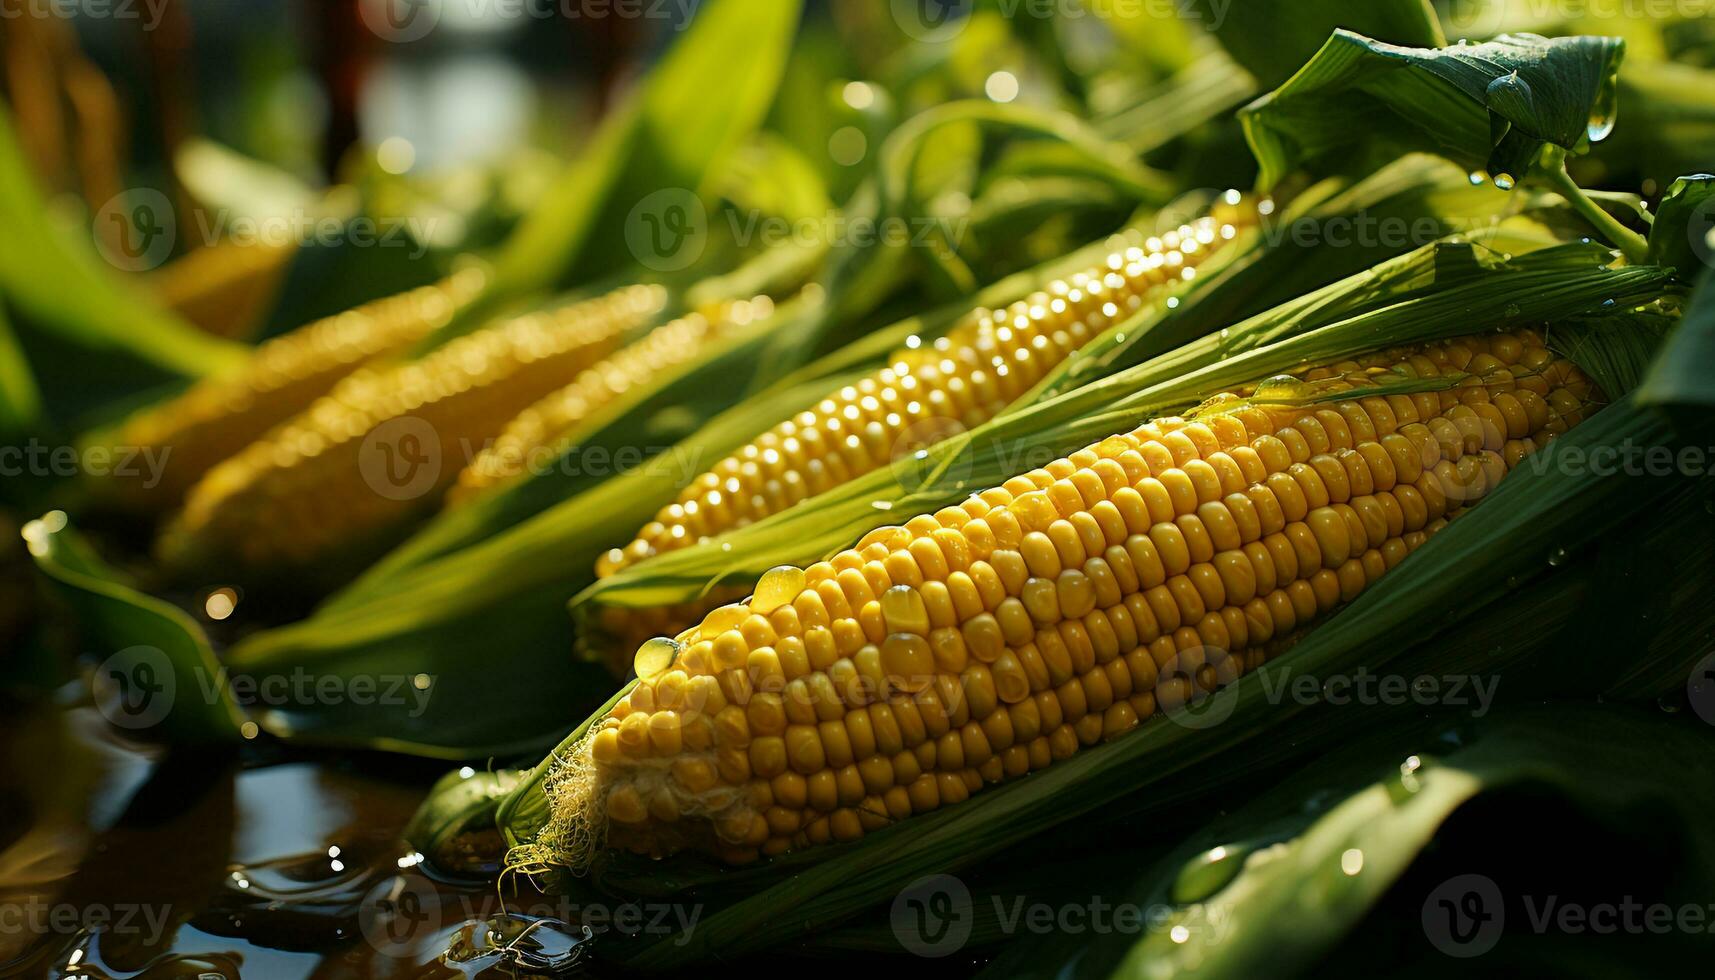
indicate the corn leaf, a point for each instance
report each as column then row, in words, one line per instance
column 1683, row 233
column 1485, row 106
column 65, row 302
column 1202, row 91
column 1685, row 374
column 20, row 400
column 1290, row 893
column 157, row 676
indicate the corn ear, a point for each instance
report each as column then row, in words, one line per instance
column 536, row 434
column 381, row 445
column 219, row 416
column 225, row 288
column 995, row 638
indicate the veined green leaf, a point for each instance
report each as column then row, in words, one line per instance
column 1491, row 105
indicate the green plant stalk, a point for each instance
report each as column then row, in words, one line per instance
column 1551, row 166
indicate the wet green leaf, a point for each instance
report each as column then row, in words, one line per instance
column 1489, row 106
column 1683, row 233
column 164, row 678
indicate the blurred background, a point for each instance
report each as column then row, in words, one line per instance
column 250, row 108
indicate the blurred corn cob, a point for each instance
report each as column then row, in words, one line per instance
column 994, row 638
column 537, row 433
column 384, row 443
column 227, row 287
column 218, row 417
column 927, row 393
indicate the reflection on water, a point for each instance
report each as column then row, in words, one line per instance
column 121, row 861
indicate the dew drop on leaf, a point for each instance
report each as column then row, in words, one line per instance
column 1605, row 110
column 654, row 657
column 1208, row 873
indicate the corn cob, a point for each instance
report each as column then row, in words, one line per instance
column 926, row 393
column 307, row 489
column 225, row 287
column 537, row 430
column 220, row 416
column 991, row 639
